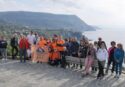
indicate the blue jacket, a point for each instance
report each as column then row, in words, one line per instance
column 74, row 47
column 119, row 55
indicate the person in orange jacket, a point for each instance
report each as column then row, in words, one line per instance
column 42, row 43
column 61, row 48
column 42, row 50
column 54, row 53
column 60, row 44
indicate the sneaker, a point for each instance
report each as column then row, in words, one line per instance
column 112, row 74
column 116, row 76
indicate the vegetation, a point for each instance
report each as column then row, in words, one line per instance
column 7, row 30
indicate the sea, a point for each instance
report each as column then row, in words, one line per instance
column 108, row 35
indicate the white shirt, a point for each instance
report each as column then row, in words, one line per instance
column 102, row 54
column 31, row 39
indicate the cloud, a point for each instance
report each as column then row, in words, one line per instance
column 11, row 5
column 94, row 12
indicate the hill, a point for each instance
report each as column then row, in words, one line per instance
column 44, row 20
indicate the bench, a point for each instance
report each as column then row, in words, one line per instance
column 75, row 60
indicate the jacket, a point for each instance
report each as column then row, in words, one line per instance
column 102, row 54
column 42, row 43
column 3, row 44
column 111, row 53
column 119, row 55
column 83, row 51
column 60, row 45
column 74, row 47
column 23, row 43
column 14, row 42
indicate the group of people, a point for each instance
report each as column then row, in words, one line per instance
column 39, row 49
column 55, row 49
column 99, row 54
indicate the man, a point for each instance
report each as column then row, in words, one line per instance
column 23, row 45
column 100, row 41
column 74, row 47
column 111, row 59
column 61, row 49
column 83, row 49
column 14, row 45
column 3, row 48
column 31, row 40
column 74, row 50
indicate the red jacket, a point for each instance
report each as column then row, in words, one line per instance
column 23, row 43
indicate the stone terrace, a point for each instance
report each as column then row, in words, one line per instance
column 15, row 74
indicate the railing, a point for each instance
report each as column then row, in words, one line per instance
column 81, row 61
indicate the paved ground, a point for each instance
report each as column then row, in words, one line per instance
column 15, row 74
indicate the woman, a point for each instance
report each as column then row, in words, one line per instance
column 82, row 50
column 34, row 48
column 95, row 64
column 91, row 55
column 3, row 48
column 119, row 56
column 102, row 55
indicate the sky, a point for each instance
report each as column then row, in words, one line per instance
column 103, row 13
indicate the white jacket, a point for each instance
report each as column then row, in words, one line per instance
column 102, row 54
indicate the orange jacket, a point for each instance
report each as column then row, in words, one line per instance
column 61, row 48
column 42, row 43
column 55, row 53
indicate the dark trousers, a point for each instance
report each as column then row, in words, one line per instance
column 119, row 68
column 75, row 55
column 63, row 60
column 111, row 61
column 94, row 68
column 101, row 68
column 14, row 52
column 23, row 53
column 3, row 53
column 54, row 62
